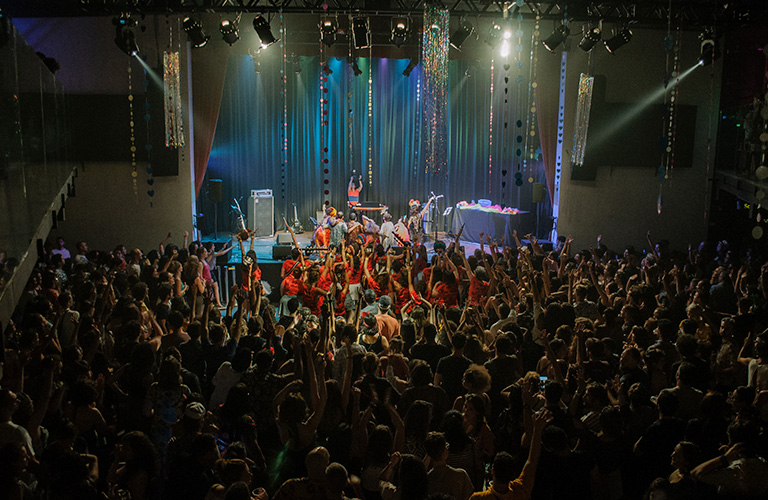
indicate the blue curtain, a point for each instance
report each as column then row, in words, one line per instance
column 385, row 146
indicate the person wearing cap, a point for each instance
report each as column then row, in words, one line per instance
column 388, row 325
column 370, row 338
column 371, row 305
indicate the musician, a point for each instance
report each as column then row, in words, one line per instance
column 354, row 228
column 416, row 218
column 322, row 234
column 353, row 190
column 339, row 230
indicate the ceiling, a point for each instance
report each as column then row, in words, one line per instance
column 689, row 14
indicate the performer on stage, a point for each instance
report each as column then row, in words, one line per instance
column 353, row 192
column 387, row 231
column 416, row 218
column 322, row 234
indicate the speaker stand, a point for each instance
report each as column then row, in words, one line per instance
column 215, row 220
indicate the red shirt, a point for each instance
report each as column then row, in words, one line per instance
column 374, row 285
column 288, row 265
column 478, row 291
column 312, row 299
column 448, row 295
column 355, row 274
column 255, row 276
column 291, row 285
column 401, row 298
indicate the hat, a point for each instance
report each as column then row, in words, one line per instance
column 370, row 320
column 369, row 295
column 194, row 410
column 439, row 245
column 312, row 318
column 385, row 301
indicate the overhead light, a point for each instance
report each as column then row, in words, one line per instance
column 400, row 27
column 709, row 50
column 361, row 33
column 591, row 38
column 411, row 65
column 229, row 31
column 264, row 31
column 328, row 31
column 125, row 36
column 195, row 33
column 296, row 63
column 461, row 34
column 619, row 40
column 556, row 38
column 494, row 35
column 504, row 48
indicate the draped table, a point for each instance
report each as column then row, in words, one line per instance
column 494, row 224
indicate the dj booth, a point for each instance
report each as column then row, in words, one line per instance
column 369, row 206
column 494, row 224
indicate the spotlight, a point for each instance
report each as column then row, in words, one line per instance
column 709, row 51
column 262, row 28
column 296, row 63
column 556, row 38
column 229, row 31
column 619, row 40
column 328, row 30
column 591, row 37
column 195, row 32
column 400, row 26
column 461, row 34
column 125, row 36
column 411, row 65
column 355, row 68
column 361, row 33
column 494, row 35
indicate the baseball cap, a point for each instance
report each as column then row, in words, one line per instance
column 385, row 301
column 194, row 410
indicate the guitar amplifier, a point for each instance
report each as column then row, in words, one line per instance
column 261, row 214
column 281, row 252
column 284, row 239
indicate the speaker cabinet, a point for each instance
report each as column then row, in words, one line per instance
column 284, row 239
column 215, row 190
column 261, row 215
column 537, row 196
column 281, row 252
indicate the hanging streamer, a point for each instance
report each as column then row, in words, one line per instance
column 131, row 123
column 584, row 104
column 148, row 145
column 435, row 69
column 490, row 134
column 174, row 122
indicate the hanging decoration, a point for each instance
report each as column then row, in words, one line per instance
column 583, row 106
column 710, row 122
column 148, row 145
column 324, row 129
column 418, row 127
column 284, row 128
column 174, row 122
column 370, row 118
column 131, row 123
column 490, row 134
column 527, row 136
column 435, row 61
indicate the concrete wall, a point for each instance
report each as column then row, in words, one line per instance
column 621, row 202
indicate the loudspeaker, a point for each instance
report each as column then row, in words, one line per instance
column 215, row 189
column 281, row 252
column 537, row 196
column 284, row 239
column 261, row 215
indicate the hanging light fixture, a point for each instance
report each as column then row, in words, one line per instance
column 361, row 33
column 262, row 28
column 400, row 27
column 229, row 31
column 709, row 49
column 355, row 68
column 494, row 35
column 461, row 34
column 411, row 66
column 195, row 33
column 556, row 38
column 591, row 38
column 619, row 40
column 125, row 36
column 328, row 30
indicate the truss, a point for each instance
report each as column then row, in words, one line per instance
column 689, row 13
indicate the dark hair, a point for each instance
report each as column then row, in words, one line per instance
column 434, row 444
column 503, row 468
column 459, row 341
column 144, row 453
column 241, row 361
column 455, row 434
column 667, row 402
column 417, row 420
column 421, row 374
column 379, row 445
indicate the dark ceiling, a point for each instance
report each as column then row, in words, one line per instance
column 689, row 14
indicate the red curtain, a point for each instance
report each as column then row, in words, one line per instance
column 209, row 68
column 547, row 108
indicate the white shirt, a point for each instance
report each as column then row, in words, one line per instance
column 387, row 234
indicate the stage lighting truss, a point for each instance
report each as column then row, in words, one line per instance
column 195, row 33
column 463, row 32
column 400, row 28
column 619, row 40
column 557, row 37
column 361, row 32
column 125, row 35
column 411, row 66
column 262, row 28
column 329, row 28
column 229, row 30
column 709, row 49
column 592, row 36
column 495, row 35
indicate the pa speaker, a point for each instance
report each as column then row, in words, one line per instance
column 261, row 215
column 284, row 239
column 215, row 191
column 281, row 252
column 537, row 196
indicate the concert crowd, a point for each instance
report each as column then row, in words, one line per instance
column 511, row 372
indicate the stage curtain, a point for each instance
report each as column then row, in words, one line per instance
column 208, row 76
column 248, row 146
column 547, row 100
